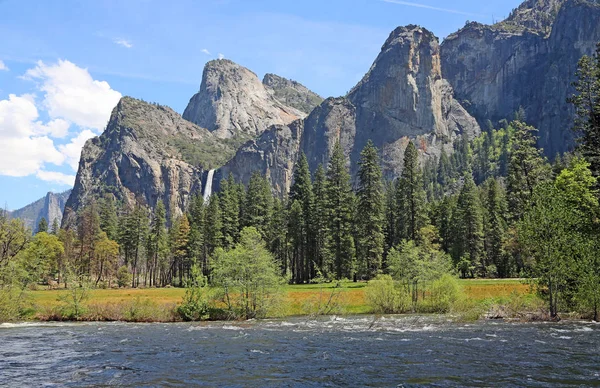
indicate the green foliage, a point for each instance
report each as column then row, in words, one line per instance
column 42, row 226
column 468, row 223
column 340, row 253
column 587, row 108
column 73, row 302
column 247, row 277
column 123, row 276
column 384, row 296
column 196, row 301
column 369, row 213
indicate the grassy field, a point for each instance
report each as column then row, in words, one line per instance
column 299, row 299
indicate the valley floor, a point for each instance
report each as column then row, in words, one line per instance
column 494, row 298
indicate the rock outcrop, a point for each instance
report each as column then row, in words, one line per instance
column 528, row 61
column 273, row 154
column 234, row 103
column 147, row 153
column 292, row 93
column 50, row 207
column 402, row 97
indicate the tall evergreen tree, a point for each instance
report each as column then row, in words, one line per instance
column 107, row 210
column 302, row 192
column 42, row 226
column 158, row 246
column 587, row 108
column 196, row 237
column 258, row 204
column 468, row 221
column 527, row 168
column 369, row 213
column 495, row 228
column 340, row 209
column 230, row 202
column 319, row 217
column 410, row 197
column 55, row 227
column 213, row 235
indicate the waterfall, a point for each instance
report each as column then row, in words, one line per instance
column 208, row 185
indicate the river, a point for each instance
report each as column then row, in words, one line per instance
column 359, row 351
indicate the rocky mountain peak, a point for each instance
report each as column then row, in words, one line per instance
column 292, row 93
column 233, row 103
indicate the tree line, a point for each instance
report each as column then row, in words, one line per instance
column 493, row 207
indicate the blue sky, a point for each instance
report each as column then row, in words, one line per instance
column 64, row 64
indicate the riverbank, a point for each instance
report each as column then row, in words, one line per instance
column 495, row 298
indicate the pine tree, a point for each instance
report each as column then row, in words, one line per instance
column 468, row 222
column 42, row 226
column 340, row 209
column 587, row 108
column 88, row 230
column 391, row 217
column 410, row 197
column 158, row 246
column 444, row 220
column 230, row 202
column 179, row 240
column 495, row 228
column 258, row 204
column 369, row 213
column 302, row 193
column 527, row 168
column 133, row 239
column 297, row 233
column 55, row 227
column 277, row 240
column 319, row 217
column 108, row 217
column 213, row 236
column 196, row 237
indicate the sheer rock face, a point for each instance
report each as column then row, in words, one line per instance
column 273, row 154
column 136, row 160
column 234, row 103
column 527, row 61
column 291, row 93
column 50, row 207
column 402, row 97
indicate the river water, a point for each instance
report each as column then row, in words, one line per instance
column 402, row 351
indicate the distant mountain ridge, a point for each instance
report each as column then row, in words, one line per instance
column 416, row 90
column 50, row 207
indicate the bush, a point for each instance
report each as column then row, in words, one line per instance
column 444, row 293
column 384, row 296
column 196, row 304
column 123, row 277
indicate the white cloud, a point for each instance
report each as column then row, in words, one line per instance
column 221, row 56
column 75, row 103
column 205, row 51
column 419, row 5
column 73, row 95
column 57, row 128
column 24, row 149
column 56, row 177
column 3, row 66
column 72, row 150
column 123, row 42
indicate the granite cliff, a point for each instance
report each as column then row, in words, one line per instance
column 528, row 61
column 234, row 104
column 147, row 153
column 50, row 207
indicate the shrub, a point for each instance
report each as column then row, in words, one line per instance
column 196, row 301
column 123, row 277
column 443, row 294
column 384, row 296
